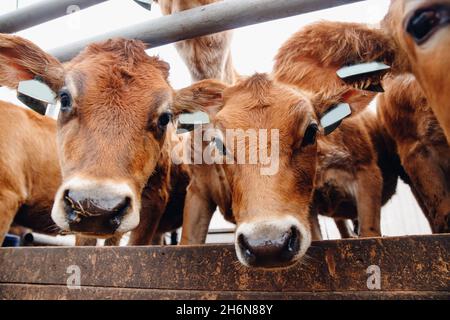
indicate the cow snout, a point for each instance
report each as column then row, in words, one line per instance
column 271, row 244
column 95, row 212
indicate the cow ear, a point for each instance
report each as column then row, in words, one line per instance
column 349, row 61
column 21, row 60
column 198, row 103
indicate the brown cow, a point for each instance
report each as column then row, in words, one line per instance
column 272, row 212
column 347, row 174
column 30, row 173
column 420, row 142
column 31, row 176
column 207, row 57
column 358, row 161
column 421, row 32
column 114, row 132
column 424, row 135
column 305, row 62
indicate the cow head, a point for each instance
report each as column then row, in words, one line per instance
column 421, row 30
column 114, row 111
column 270, row 199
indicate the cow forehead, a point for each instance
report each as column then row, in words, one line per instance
column 142, row 88
column 286, row 112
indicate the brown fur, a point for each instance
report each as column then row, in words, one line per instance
column 20, row 59
column 429, row 62
column 355, row 152
column 357, row 170
column 312, row 56
column 420, row 142
column 207, row 57
column 29, row 177
column 357, row 174
column 255, row 196
column 118, row 94
column 413, row 131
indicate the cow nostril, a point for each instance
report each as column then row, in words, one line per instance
column 250, row 257
column 73, row 217
column 69, row 207
column 116, row 221
column 119, row 212
column 94, row 212
column 278, row 250
column 123, row 206
column 293, row 242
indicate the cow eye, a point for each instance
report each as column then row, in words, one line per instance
column 66, row 101
column 425, row 22
column 310, row 136
column 164, row 120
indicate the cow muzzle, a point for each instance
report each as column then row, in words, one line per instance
column 272, row 244
column 95, row 209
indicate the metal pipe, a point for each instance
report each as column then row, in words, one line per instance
column 39, row 240
column 200, row 21
column 40, row 12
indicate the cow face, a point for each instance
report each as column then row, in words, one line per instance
column 270, row 199
column 421, row 29
column 114, row 111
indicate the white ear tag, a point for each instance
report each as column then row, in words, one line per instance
column 36, row 95
column 188, row 121
column 53, row 111
column 364, row 76
column 361, row 69
column 146, row 4
column 333, row 117
column 219, row 145
column 37, row 90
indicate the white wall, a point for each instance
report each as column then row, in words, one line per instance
column 253, row 50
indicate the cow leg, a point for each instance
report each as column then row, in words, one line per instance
column 85, row 242
column 430, row 185
column 355, row 227
column 158, row 239
column 368, row 201
column 197, row 214
column 145, row 232
column 9, row 204
column 174, row 237
column 113, row 241
column 316, row 234
column 344, row 229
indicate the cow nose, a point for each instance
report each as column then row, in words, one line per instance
column 270, row 252
column 94, row 212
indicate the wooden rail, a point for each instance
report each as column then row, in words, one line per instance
column 410, row 267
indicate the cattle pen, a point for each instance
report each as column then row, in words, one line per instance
column 407, row 267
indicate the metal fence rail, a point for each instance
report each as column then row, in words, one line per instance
column 40, row 12
column 200, row 21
